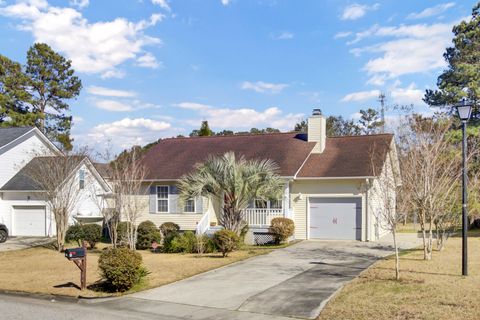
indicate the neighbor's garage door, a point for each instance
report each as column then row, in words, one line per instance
column 335, row 218
column 29, row 221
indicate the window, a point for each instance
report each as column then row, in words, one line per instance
column 276, row 204
column 162, row 198
column 81, row 179
column 189, row 205
column 263, row 204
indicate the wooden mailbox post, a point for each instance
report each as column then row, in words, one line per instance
column 79, row 257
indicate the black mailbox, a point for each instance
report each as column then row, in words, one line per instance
column 75, row 253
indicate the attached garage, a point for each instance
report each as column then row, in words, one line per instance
column 335, row 218
column 29, row 221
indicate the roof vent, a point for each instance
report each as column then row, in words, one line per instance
column 317, row 112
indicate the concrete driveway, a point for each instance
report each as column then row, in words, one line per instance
column 293, row 282
column 17, row 243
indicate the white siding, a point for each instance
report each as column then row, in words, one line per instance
column 17, row 157
column 381, row 190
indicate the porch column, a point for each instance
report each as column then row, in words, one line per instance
column 286, row 199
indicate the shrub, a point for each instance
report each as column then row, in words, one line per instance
column 92, row 234
column 282, row 229
column 204, row 244
column 147, row 232
column 226, row 241
column 75, row 233
column 169, row 228
column 121, row 268
column 170, row 243
column 186, row 242
column 243, row 232
column 122, row 239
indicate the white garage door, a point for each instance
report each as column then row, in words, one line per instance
column 29, row 221
column 336, row 218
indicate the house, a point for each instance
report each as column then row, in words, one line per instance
column 22, row 206
column 329, row 182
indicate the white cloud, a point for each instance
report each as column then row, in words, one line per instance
column 408, row 95
column 342, row 34
column 128, row 132
column 361, row 96
column 407, row 49
column 263, row 87
column 241, row 118
column 225, row 2
column 285, row 36
column 98, row 47
column 80, row 3
column 148, row 60
column 432, row 11
column 356, row 11
column 162, row 3
column 112, row 105
column 107, row 92
column 192, row 106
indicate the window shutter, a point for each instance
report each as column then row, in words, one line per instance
column 153, row 199
column 199, row 204
column 173, row 199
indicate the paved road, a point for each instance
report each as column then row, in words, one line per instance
column 293, row 282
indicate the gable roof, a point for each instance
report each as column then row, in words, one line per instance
column 23, row 182
column 8, row 135
column 172, row 158
column 349, row 156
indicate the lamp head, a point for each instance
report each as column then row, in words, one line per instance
column 464, row 110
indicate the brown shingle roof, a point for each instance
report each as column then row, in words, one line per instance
column 352, row 156
column 172, row 158
column 343, row 156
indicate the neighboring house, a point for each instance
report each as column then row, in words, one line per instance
column 329, row 181
column 22, row 206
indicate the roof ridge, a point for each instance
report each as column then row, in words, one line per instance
column 362, row 135
column 234, row 135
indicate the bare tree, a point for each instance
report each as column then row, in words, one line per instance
column 430, row 168
column 384, row 189
column 57, row 178
column 128, row 179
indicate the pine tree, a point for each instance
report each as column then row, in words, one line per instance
column 461, row 79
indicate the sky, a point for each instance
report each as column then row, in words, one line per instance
column 156, row 68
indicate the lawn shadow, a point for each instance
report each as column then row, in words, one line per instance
column 67, row 285
column 420, row 272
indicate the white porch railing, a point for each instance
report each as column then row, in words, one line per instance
column 203, row 224
column 261, row 217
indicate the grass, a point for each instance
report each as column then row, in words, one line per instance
column 43, row 270
column 427, row 290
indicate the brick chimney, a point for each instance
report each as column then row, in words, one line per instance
column 317, row 130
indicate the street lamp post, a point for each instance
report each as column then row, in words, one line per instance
column 464, row 111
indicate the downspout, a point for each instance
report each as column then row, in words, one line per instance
column 367, row 208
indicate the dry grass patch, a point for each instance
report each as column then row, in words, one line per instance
column 428, row 289
column 42, row 270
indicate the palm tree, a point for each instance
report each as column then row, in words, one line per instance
column 233, row 182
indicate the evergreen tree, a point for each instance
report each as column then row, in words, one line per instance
column 461, row 79
column 205, row 130
column 370, row 121
column 51, row 81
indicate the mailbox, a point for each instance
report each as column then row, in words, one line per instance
column 74, row 253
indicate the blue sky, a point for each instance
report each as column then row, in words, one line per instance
column 156, row 68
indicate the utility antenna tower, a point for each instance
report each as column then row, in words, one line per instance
column 381, row 99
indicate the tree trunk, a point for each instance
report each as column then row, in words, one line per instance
column 397, row 257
